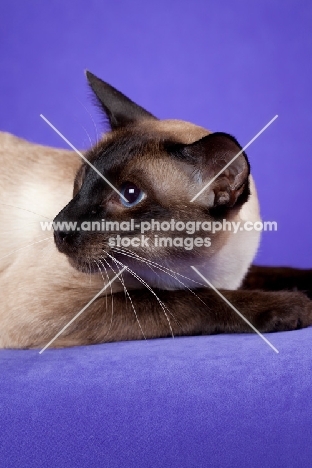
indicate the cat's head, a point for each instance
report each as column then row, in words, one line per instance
column 154, row 170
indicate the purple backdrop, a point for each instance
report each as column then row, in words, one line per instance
column 229, row 66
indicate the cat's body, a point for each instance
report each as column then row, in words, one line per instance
column 41, row 290
column 36, row 280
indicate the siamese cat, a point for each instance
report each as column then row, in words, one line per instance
column 154, row 169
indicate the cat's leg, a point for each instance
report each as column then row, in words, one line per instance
column 267, row 311
column 184, row 314
column 278, row 279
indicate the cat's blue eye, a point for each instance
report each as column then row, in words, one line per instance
column 132, row 193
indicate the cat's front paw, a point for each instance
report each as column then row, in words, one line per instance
column 289, row 311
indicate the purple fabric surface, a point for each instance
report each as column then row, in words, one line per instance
column 219, row 401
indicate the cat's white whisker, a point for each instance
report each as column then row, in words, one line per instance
column 80, row 312
column 94, row 124
column 98, row 266
column 128, row 295
column 25, row 224
column 133, row 255
column 25, row 209
column 130, row 254
column 25, row 247
column 106, row 273
column 111, row 294
column 48, row 250
column 89, row 265
column 90, row 141
column 151, row 290
column 145, row 284
column 157, row 265
column 165, row 270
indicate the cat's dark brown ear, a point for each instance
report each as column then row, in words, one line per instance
column 219, row 159
column 120, row 110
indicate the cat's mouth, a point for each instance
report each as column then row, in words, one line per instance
column 97, row 265
column 82, row 255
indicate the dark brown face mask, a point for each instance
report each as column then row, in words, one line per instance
column 158, row 170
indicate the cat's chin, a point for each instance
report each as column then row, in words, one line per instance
column 92, row 266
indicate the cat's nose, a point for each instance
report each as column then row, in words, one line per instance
column 62, row 239
column 61, row 235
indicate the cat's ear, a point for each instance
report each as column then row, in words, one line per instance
column 220, row 162
column 120, row 110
